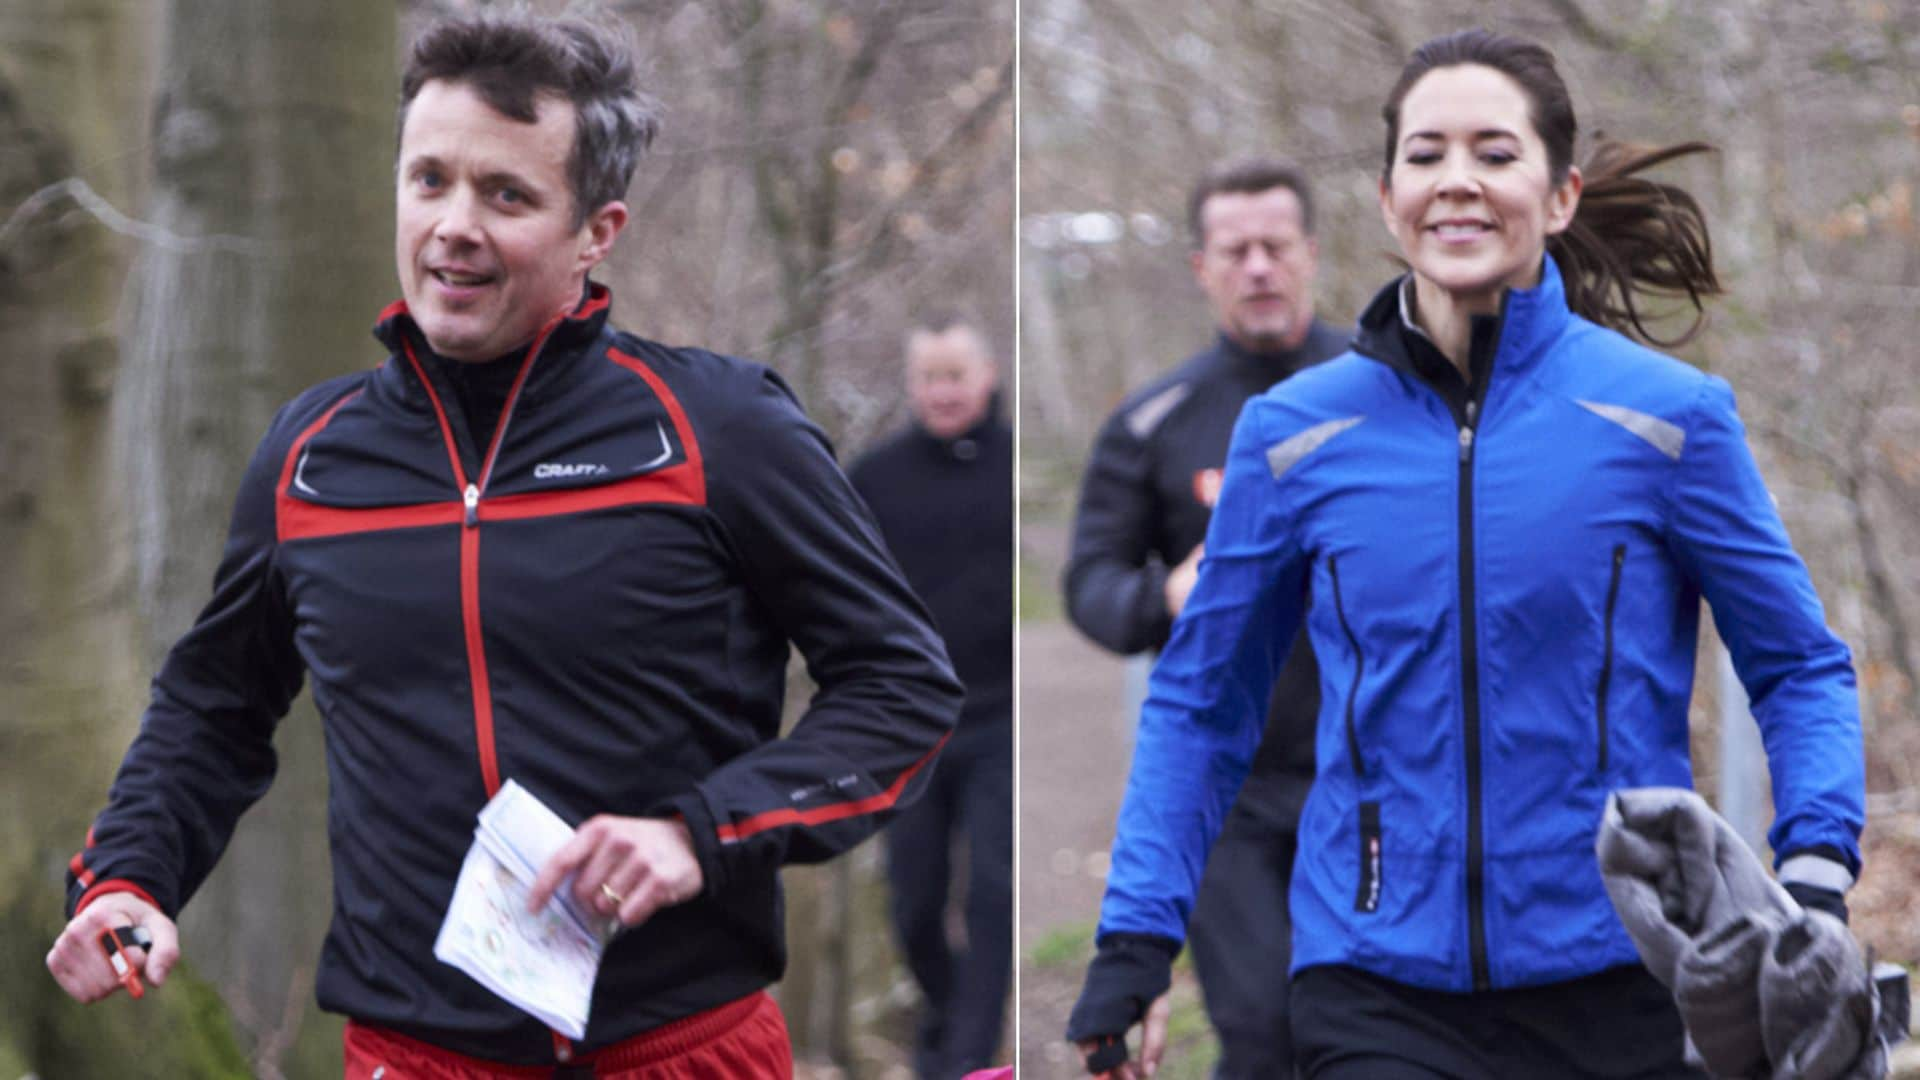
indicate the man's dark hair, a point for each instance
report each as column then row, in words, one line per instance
column 1248, row 176
column 511, row 59
column 942, row 319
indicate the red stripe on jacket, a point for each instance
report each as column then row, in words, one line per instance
column 696, row 472
column 737, row 831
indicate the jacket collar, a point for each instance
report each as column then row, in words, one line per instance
column 1269, row 367
column 559, row 342
column 964, row 446
column 1505, row 343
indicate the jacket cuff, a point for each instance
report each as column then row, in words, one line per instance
column 1815, row 898
column 691, row 809
column 114, row 885
column 1819, row 867
column 1126, row 975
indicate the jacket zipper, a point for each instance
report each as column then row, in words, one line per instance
column 470, row 495
column 1353, row 690
column 1470, row 700
column 1606, row 659
column 1464, row 416
column 471, row 492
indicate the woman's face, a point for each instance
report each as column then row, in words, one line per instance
column 1470, row 196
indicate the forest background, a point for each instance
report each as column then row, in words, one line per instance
column 196, row 215
column 1815, row 110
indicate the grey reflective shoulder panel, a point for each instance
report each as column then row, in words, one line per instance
column 1665, row 437
column 1147, row 415
column 1287, row 453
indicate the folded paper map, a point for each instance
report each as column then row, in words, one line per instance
column 545, row 962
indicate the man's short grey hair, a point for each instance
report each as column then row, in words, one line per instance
column 511, row 58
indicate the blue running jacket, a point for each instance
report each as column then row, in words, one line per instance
column 1505, row 598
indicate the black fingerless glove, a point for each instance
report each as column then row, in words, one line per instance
column 1126, row 975
column 1815, row 898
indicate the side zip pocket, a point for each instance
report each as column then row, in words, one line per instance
column 1367, row 898
column 1606, row 659
column 1359, row 665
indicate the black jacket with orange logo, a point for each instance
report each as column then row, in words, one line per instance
column 1145, row 501
column 597, row 603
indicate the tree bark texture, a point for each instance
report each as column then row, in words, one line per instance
column 271, row 144
column 73, row 79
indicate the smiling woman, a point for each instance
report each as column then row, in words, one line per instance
column 1496, row 516
column 1469, row 192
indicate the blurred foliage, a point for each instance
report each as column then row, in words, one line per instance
column 1064, row 946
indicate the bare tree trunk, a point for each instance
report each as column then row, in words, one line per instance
column 72, row 79
column 272, row 143
column 60, row 273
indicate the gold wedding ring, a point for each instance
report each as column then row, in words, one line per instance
column 613, row 898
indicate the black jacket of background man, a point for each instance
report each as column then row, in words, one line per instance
column 1144, row 503
column 946, row 509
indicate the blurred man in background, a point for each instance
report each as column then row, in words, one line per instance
column 942, row 491
column 1145, row 500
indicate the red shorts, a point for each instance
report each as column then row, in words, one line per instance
column 741, row 1040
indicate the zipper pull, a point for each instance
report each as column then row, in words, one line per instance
column 1466, row 444
column 1473, row 407
column 473, row 504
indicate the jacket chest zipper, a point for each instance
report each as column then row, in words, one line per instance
column 479, row 683
column 470, row 585
column 1470, row 707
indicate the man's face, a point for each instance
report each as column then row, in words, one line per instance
column 484, row 233
column 1256, row 265
column 950, row 380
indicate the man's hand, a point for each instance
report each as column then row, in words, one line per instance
column 1180, row 580
column 80, row 965
column 624, row 867
column 1153, row 1044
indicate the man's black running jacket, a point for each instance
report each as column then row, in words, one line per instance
column 597, row 604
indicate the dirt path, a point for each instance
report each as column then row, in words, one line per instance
column 1074, row 748
column 1075, row 743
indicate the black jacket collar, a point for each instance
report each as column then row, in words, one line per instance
column 1269, row 367
column 565, row 336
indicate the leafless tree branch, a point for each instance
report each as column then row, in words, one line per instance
column 105, row 213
